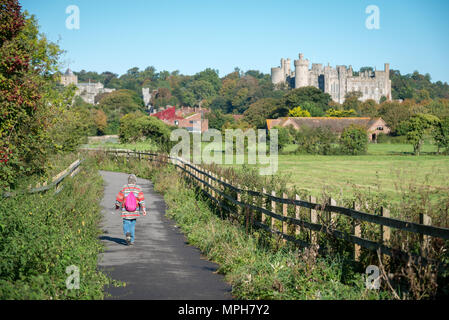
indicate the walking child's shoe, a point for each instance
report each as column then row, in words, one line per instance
column 128, row 238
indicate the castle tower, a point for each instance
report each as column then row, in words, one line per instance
column 276, row 75
column 301, row 72
column 288, row 64
column 69, row 78
column 387, row 81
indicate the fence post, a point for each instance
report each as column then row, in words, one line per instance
column 332, row 215
column 284, row 213
column 247, row 210
column 212, row 184
column 425, row 240
column 239, row 199
column 297, row 215
column 273, row 209
column 263, row 217
column 313, row 219
column 385, row 231
column 357, row 233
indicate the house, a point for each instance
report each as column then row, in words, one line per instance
column 194, row 122
column 374, row 126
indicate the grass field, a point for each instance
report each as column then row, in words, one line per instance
column 386, row 167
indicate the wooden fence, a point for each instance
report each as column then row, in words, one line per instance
column 56, row 181
column 220, row 191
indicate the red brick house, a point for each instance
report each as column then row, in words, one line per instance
column 374, row 126
column 194, row 122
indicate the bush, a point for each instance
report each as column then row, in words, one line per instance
column 135, row 127
column 284, row 136
column 354, row 140
column 315, row 140
column 43, row 234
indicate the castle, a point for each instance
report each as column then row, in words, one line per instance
column 337, row 82
column 87, row 91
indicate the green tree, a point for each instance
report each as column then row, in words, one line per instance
column 28, row 99
column 259, row 111
column 117, row 104
column 354, row 140
column 298, row 97
column 217, row 119
column 284, row 137
column 313, row 109
column 394, row 113
column 418, row 126
column 441, row 134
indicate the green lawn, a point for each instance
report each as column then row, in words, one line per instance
column 389, row 166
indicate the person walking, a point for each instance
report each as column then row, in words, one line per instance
column 131, row 201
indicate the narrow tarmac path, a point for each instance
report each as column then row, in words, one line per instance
column 161, row 265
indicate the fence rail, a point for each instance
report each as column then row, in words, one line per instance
column 214, row 187
column 71, row 171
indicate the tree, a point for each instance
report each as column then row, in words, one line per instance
column 352, row 101
column 313, row 109
column 101, row 122
column 259, row 111
column 394, row 113
column 354, row 140
column 28, row 99
column 217, row 119
column 298, row 97
column 284, row 136
column 417, row 127
column 117, row 104
column 298, row 112
column 137, row 126
column 441, row 134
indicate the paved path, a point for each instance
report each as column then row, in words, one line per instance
column 161, row 265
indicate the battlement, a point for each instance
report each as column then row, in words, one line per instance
column 336, row 81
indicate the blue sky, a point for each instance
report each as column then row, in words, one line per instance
column 191, row 35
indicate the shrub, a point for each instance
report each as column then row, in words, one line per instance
column 136, row 126
column 354, row 140
column 284, row 136
column 315, row 140
column 43, row 234
column 298, row 112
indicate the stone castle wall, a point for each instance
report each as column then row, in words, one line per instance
column 337, row 82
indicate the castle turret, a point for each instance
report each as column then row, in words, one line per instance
column 276, row 75
column 301, row 72
column 288, row 64
column 387, row 81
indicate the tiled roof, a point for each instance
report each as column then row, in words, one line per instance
column 335, row 124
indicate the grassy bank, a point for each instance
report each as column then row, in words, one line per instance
column 43, row 234
column 256, row 267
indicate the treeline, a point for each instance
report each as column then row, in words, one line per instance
column 36, row 120
column 251, row 94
